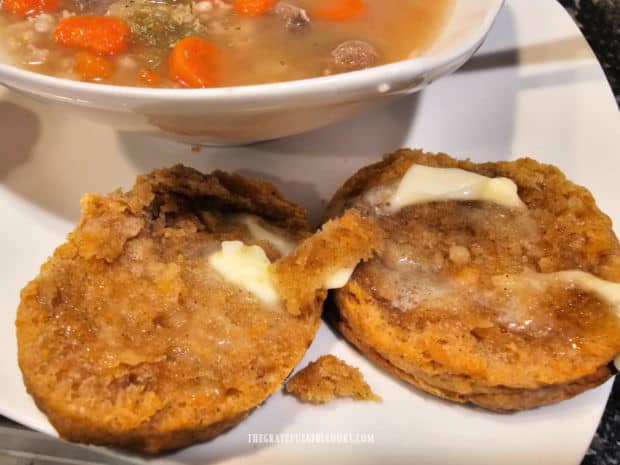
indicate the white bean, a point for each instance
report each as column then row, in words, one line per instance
column 203, row 7
column 43, row 23
column 126, row 61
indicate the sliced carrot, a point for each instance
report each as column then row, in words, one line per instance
column 338, row 10
column 105, row 35
column 253, row 7
column 195, row 62
column 30, row 7
column 92, row 67
column 149, row 78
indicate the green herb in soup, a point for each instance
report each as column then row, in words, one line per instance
column 213, row 43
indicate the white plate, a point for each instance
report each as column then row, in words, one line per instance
column 534, row 89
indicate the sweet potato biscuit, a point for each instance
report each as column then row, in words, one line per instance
column 129, row 337
column 464, row 301
column 328, row 378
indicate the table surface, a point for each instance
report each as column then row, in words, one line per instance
column 599, row 22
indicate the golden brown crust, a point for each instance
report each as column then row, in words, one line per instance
column 499, row 399
column 478, row 328
column 329, row 378
column 128, row 337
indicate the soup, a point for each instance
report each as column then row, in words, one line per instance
column 213, row 43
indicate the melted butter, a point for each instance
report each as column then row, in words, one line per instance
column 422, row 184
column 521, row 295
column 607, row 290
column 247, row 267
column 339, row 278
column 281, row 243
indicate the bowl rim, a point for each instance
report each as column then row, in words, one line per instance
column 370, row 77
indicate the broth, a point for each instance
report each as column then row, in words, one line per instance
column 281, row 44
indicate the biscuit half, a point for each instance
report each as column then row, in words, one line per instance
column 467, row 301
column 129, row 337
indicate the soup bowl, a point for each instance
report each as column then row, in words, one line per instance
column 245, row 114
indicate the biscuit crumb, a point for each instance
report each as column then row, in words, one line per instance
column 327, row 379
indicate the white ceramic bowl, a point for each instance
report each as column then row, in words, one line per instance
column 240, row 115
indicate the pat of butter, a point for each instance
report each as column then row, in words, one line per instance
column 607, row 290
column 246, row 266
column 282, row 244
column 422, row 184
column 339, row 278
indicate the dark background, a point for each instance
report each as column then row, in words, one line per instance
column 599, row 21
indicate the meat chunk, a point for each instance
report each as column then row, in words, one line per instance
column 293, row 16
column 353, row 55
